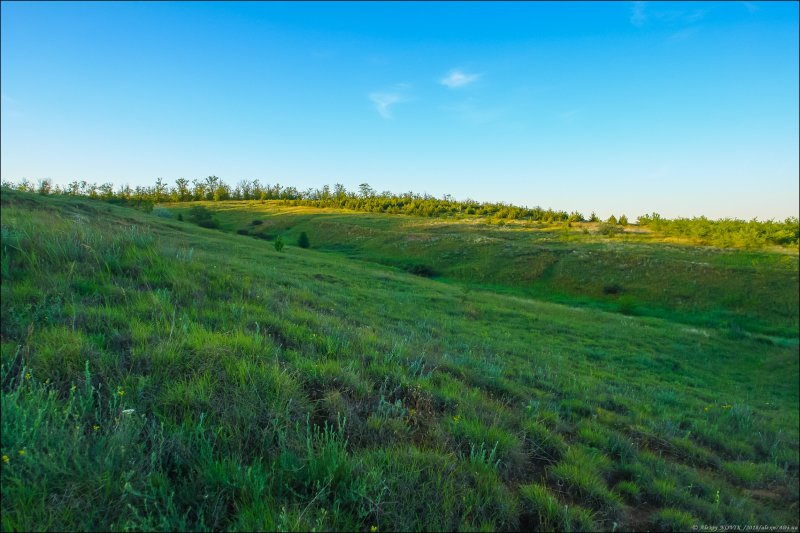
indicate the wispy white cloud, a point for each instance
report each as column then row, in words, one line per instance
column 694, row 16
column 750, row 6
column 683, row 34
column 457, row 78
column 384, row 102
column 638, row 16
column 682, row 23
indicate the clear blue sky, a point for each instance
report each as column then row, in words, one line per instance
column 631, row 107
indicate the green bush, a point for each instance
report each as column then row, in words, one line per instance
column 203, row 217
column 303, row 241
column 612, row 288
column 211, row 223
column 422, row 270
column 162, row 212
column 278, row 243
column 609, row 228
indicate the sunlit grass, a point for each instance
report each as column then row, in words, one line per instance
column 158, row 375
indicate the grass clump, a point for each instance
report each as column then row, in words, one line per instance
column 541, row 511
column 629, row 491
column 753, row 475
column 580, row 473
column 672, row 520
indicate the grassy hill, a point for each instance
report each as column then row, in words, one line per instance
column 160, row 375
column 636, row 272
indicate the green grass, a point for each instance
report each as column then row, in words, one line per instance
column 653, row 276
column 162, row 376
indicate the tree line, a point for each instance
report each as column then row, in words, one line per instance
column 723, row 232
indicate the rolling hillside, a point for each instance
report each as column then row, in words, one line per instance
column 159, row 375
column 637, row 272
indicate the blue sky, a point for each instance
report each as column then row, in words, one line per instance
column 685, row 109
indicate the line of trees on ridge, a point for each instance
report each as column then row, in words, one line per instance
column 725, row 232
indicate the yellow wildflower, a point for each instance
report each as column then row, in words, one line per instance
column 22, row 452
column 457, row 419
column 373, row 529
column 120, row 391
column 27, row 375
column 6, row 459
column 95, row 427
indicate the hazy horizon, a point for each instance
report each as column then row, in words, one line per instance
column 682, row 108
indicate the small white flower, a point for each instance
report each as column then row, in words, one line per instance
column 128, row 411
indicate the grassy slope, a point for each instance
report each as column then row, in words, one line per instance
column 306, row 390
column 696, row 285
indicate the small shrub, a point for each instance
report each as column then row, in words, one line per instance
column 278, row 243
column 256, row 222
column 243, row 231
column 612, row 288
column 162, row 212
column 180, row 217
column 211, row 223
column 203, row 217
column 199, row 212
column 609, row 228
column 303, row 241
column 421, row 270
